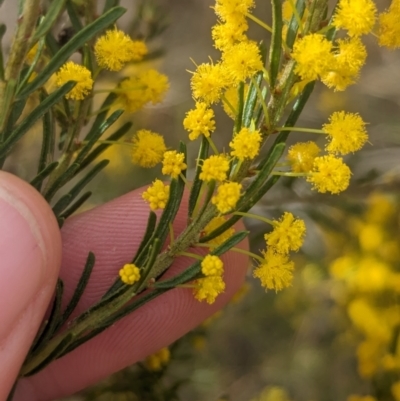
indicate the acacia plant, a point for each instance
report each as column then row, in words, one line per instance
column 262, row 86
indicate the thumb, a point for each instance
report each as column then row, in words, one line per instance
column 30, row 257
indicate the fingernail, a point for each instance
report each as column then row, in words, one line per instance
column 22, row 258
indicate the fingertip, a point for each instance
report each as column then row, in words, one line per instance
column 30, row 249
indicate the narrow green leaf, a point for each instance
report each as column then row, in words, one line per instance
column 98, row 150
column 52, row 319
column 239, row 114
column 154, row 251
column 48, row 134
column 38, row 112
column 60, row 181
column 197, row 183
column 38, row 180
column 65, row 200
column 101, row 117
column 62, row 203
column 265, row 170
column 52, row 45
column 57, row 351
column 293, row 26
column 96, row 135
column 79, row 289
column 73, row 45
column 53, row 12
column 276, row 42
column 295, row 112
column 73, row 169
column 110, row 4
column 151, row 225
column 209, row 194
column 76, row 205
column 73, row 16
column 251, row 100
column 194, row 270
column 16, row 112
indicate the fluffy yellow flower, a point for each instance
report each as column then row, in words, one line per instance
column 246, row 144
column 276, row 272
column 155, row 85
column 148, row 148
column 156, row 361
column 229, row 9
column 129, row 274
column 313, row 56
column 212, row 265
column 356, row 16
column 78, row 73
column 139, row 50
column 215, row 223
column 368, row 320
column 208, row 288
column 131, row 95
column 173, row 163
column 301, row 156
column 242, row 61
column 329, row 174
column 199, row 121
column 208, row 82
column 287, row 235
column 348, row 60
column 147, row 86
column 389, row 27
column 114, row 49
column 227, row 196
column 228, row 34
column 157, row 195
column 346, row 132
column 215, row 168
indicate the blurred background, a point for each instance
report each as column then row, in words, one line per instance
column 307, row 340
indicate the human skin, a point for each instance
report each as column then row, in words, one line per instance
column 34, row 253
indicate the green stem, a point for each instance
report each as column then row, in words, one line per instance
column 225, row 100
column 259, row 22
column 262, row 101
column 190, row 255
column 77, row 329
column 255, row 216
column 248, row 253
column 19, row 48
column 171, row 233
column 290, row 174
column 212, row 144
column 298, row 129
